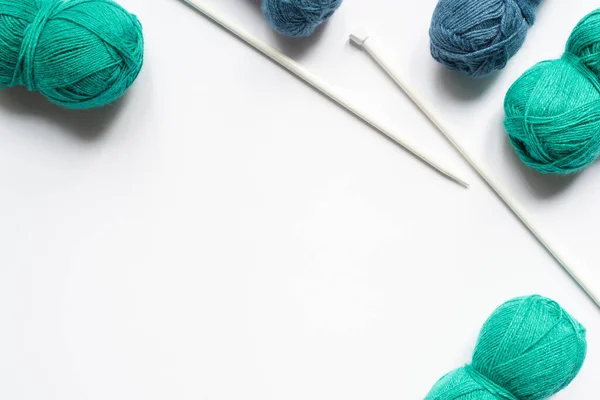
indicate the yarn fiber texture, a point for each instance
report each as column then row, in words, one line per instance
column 529, row 349
column 553, row 109
column 78, row 53
column 478, row 37
column 298, row 18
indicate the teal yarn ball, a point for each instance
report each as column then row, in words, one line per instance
column 553, row 109
column 298, row 18
column 529, row 349
column 478, row 37
column 78, row 53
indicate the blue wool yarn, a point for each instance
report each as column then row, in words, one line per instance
column 298, row 18
column 478, row 37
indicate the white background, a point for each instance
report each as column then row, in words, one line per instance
column 224, row 232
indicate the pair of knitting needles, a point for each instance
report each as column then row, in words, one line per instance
column 367, row 44
column 322, row 87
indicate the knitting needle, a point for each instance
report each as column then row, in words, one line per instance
column 318, row 84
column 369, row 45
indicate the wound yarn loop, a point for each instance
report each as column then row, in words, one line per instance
column 24, row 69
column 298, row 18
column 528, row 8
column 488, row 385
column 528, row 349
column 478, row 37
column 553, row 109
column 78, row 53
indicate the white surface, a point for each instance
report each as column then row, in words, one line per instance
column 226, row 233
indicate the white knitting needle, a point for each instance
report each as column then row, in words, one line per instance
column 369, row 45
column 318, row 84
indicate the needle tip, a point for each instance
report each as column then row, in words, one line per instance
column 455, row 178
column 462, row 183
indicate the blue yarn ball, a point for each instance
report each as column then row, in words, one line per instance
column 298, row 18
column 478, row 37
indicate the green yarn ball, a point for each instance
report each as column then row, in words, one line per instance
column 553, row 110
column 529, row 349
column 78, row 53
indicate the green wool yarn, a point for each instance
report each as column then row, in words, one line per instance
column 553, row 110
column 529, row 349
column 78, row 53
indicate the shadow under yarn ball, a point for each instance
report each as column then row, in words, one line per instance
column 78, row 53
column 478, row 37
column 553, row 109
column 298, row 18
column 529, row 348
